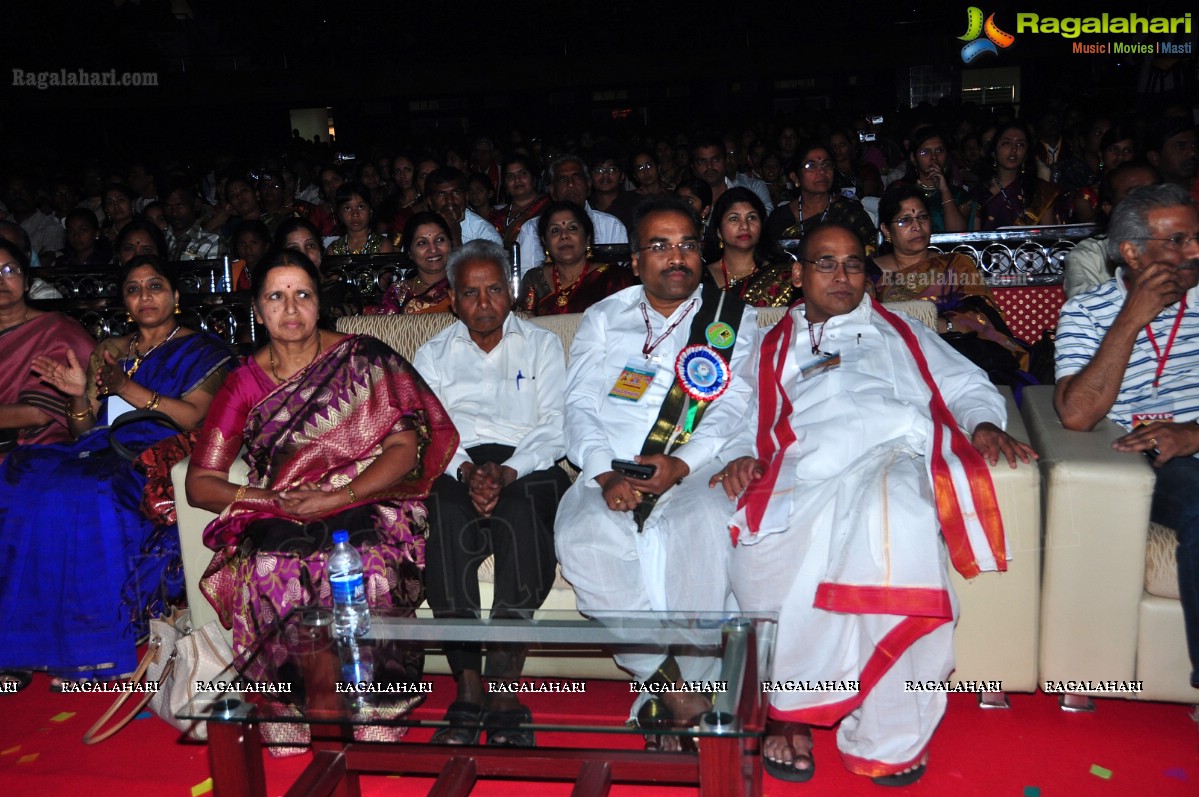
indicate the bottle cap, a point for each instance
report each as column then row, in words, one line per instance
column 340, row 536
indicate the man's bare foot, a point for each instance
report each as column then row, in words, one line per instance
column 687, row 708
column 787, row 751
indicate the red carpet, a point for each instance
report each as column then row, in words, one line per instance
column 1031, row 750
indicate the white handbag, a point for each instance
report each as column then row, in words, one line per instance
column 177, row 656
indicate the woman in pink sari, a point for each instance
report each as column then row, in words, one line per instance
column 340, row 433
column 31, row 411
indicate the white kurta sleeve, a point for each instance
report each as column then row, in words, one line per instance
column 586, row 442
column 425, row 361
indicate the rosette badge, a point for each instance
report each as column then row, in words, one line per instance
column 702, row 372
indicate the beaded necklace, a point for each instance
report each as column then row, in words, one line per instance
column 137, row 356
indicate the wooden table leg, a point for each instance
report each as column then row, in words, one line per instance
column 235, row 760
column 595, row 780
column 721, row 773
column 457, row 778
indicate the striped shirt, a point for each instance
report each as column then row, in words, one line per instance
column 1086, row 318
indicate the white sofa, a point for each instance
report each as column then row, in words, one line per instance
column 1110, row 608
column 996, row 638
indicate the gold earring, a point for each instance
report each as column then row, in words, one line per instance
column 177, row 311
column 588, row 251
column 129, row 317
column 548, row 257
column 721, row 240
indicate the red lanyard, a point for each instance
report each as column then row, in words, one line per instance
column 1163, row 357
column 648, row 348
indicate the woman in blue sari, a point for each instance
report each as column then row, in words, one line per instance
column 79, row 561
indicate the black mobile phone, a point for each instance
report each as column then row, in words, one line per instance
column 633, row 470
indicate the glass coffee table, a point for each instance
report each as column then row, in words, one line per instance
column 355, row 698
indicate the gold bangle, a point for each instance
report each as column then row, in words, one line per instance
column 241, row 493
column 153, row 402
column 350, row 490
column 77, row 416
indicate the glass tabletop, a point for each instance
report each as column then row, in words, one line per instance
column 301, row 672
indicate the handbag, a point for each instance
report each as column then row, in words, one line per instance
column 137, row 416
column 176, row 657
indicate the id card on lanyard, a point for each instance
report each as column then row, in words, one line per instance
column 636, row 377
column 639, row 372
column 1158, row 409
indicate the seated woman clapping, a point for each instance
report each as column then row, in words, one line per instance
column 82, row 567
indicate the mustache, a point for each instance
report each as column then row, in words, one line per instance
column 681, row 269
column 1190, row 265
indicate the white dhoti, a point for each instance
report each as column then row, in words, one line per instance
column 878, row 514
column 678, row 563
column 845, row 536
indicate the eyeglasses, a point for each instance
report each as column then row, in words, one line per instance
column 1176, row 241
column 924, row 152
column 829, row 265
column 605, row 170
column 662, row 248
column 10, row 271
column 823, row 166
column 644, row 167
column 903, row 222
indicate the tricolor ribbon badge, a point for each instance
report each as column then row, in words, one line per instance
column 996, row 39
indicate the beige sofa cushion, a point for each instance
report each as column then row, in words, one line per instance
column 406, row 333
column 1161, row 566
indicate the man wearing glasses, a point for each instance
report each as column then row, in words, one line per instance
column 650, row 402
column 837, row 519
column 569, row 181
column 607, row 186
column 1129, row 350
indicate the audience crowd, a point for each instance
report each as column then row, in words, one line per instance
column 680, row 416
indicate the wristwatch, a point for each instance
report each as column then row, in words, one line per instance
column 461, row 475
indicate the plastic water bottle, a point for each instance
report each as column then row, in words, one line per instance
column 514, row 275
column 351, row 615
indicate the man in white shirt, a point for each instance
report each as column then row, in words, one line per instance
column 503, row 382
column 446, row 189
column 569, row 181
column 710, row 163
column 1087, row 266
column 650, row 381
column 732, row 167
column 838, row 529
